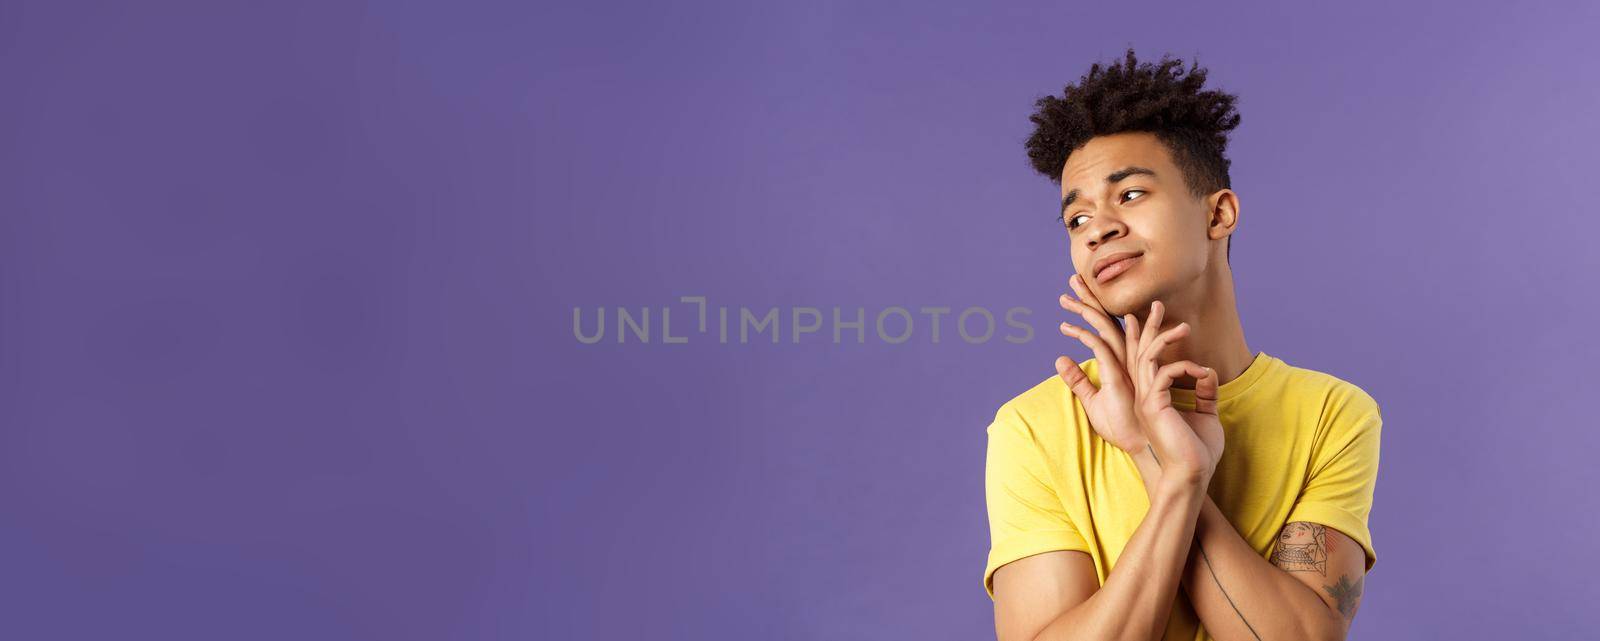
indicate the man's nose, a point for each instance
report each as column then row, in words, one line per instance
column 1105, row 232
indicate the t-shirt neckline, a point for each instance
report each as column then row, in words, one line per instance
column 1231, row 390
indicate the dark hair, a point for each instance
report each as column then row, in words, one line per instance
column 1127, row 96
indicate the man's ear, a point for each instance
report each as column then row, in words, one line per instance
column 1224, row 217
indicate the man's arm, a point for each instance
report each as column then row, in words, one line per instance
column 1309, row 590
column 1138, row 594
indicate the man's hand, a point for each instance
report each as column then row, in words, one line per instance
column 1110, row 408
column 1189, row 443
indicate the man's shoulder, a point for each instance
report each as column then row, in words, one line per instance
column 1047, row 403
column 1333, row 392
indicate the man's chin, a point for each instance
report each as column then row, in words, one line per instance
column 1125, row 298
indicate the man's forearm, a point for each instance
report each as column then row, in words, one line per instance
column 1240, row 596
column 1237, row 594
column 1138, row 594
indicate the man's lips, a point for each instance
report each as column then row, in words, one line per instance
column 1114, row 264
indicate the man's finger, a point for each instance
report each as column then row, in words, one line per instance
column 1130, row 331
column 1171, row 371
column 1102, row 352
column 1205, row 390
column 1088, row 296
column 1152, row 325
column 1153, row 350
column 1107, row 329
column 1076, row 380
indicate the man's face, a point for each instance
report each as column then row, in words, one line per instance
column 1146, row 208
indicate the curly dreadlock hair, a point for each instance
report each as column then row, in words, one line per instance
column 1128, row 96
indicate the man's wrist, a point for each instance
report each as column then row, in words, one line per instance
column 1176, row 482
column 1153, row 472
column 1149, row 466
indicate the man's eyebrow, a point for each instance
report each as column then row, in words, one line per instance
column 1115, row 177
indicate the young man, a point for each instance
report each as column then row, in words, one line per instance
column 1176, row 456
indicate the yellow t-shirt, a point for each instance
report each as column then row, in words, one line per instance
column 1302, row 445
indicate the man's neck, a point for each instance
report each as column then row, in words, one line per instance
column 1216, row 337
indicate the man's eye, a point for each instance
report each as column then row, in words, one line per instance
column 1069, row 221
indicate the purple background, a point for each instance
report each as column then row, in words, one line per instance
column 286, row 295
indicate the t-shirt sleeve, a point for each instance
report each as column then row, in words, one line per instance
column 1345, row 473
column 1025, row 514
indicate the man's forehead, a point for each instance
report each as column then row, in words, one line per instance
column 1089, row 166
